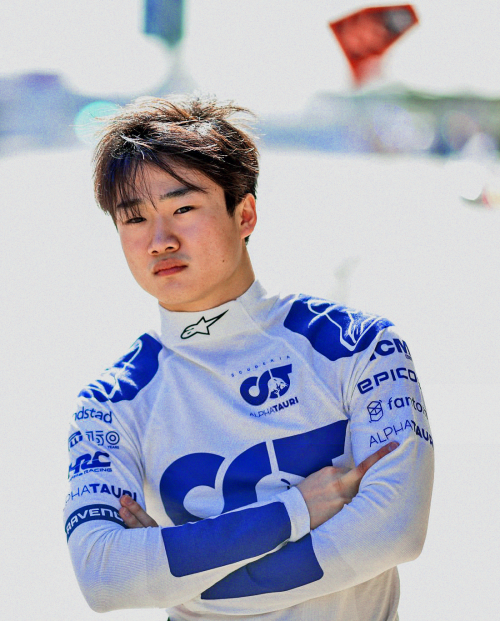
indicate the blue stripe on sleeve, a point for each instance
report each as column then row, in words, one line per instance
column 289, row 568
column 229, row 538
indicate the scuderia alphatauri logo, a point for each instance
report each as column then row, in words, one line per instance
column 200, row 327
column 272, row 384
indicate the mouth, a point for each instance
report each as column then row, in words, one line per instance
column 168, row 267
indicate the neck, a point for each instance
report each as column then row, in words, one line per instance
column 236, row 285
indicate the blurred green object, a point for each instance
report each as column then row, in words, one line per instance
column 90, row 118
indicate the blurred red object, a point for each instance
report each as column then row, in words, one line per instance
column 365, row 36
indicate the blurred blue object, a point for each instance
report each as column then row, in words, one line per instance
column 39, row 110
column 164, row 18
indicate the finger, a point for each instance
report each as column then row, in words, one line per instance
column 336, row 473
column 135, row 509
column 356, row 474
column 130, row 520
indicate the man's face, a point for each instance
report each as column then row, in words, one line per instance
column 184, row 248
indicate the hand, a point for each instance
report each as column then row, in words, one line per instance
column 133, row 514
column 329, row 489
column 325, row 492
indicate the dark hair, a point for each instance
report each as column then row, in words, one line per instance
column 191, row 132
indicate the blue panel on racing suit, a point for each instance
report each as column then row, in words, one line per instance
column 129, row 375
column 295, row 566
column 335, row 331
column 230, row 538
column 306, row 453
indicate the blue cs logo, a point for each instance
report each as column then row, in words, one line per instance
column 301, row 454
column 273, row 383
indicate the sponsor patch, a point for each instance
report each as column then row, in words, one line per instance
column 74, row 439
column 403, row 402
column 272, row 384
column 387, row 347
column 391, row 432
column 277, row 407
column 99, row 488
column 87, row 463
column 110, row 440
column 375, row 410
column 90, row 513
column 93, row 414
column 394, row 375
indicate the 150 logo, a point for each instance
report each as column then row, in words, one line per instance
column 300, row 455
column 272, row 384
column 111, row 439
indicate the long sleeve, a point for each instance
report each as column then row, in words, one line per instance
column 386, row 522
column 139, row 568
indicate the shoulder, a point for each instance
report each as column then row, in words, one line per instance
column 334, row 330
column 129, row 374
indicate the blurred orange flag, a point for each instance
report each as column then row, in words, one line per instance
column 365, row 36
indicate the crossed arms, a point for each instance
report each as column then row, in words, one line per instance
column 325, row 492
column 128, row 568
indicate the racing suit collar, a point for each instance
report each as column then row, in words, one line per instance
column 179, row 329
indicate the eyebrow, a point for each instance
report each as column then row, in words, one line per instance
column 133, row 202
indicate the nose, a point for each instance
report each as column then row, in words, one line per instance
column 163, row 239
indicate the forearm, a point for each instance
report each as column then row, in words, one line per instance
column 383, row 526
column 164, row 567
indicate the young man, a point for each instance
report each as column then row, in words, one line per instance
column 256, row 430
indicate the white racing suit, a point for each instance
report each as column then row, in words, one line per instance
column 210, row 423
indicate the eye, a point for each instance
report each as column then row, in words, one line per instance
column 134, row 220
column 183, row 209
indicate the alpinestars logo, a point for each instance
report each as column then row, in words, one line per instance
column 273, row 383
column 200, row 327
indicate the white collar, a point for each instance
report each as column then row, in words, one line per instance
column 181, row 329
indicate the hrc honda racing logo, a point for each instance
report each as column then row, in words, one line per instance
column 272, row 384
column 87, row 463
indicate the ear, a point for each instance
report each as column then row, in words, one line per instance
column 246, row 214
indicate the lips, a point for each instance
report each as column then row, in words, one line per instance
column 168, row 266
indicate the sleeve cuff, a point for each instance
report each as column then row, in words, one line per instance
column 298, row 513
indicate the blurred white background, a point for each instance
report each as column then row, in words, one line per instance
column 387, row 234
